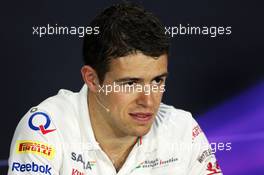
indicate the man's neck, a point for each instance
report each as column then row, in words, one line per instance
column 115, row 144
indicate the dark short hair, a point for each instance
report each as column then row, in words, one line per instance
column 125, row 29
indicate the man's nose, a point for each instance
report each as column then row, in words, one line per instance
column 145, row 99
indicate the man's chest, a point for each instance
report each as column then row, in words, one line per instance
column 139, row 162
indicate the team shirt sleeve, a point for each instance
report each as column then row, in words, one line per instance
column 36, row 147
column 203, row 160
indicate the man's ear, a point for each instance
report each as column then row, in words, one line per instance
column 90, row 77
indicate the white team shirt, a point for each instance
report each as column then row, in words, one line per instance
column 56, row 138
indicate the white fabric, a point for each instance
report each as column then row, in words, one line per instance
column 174, row 145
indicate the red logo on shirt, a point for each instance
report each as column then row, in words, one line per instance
column 213, row 168
column 196, row 131
column 76, row 172
column 35, row 147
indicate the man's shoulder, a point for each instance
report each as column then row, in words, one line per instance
column 63, row 100
column 56, row 114
column 173, row 123
column 49, row 127
column 61, row 107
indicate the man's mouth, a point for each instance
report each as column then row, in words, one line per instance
column 141, row 117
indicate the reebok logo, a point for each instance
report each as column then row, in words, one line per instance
column 31, row 167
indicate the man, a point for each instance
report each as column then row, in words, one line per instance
column 116, row 124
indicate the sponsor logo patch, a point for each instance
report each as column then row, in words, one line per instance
column 34, row 147
column 40, row 121
column 76, row 172
column 79, row 158
column 205, row 155
column 156, row 163
column 31, row 167
column 213, row 168
column 196, row 131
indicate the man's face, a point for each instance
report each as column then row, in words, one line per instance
column 132, row 111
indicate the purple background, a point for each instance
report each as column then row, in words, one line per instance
column 239, row 120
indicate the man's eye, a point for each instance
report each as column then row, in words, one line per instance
column 129, row 83
column 158, row 81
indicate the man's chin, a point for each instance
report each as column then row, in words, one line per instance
column 141, row 130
